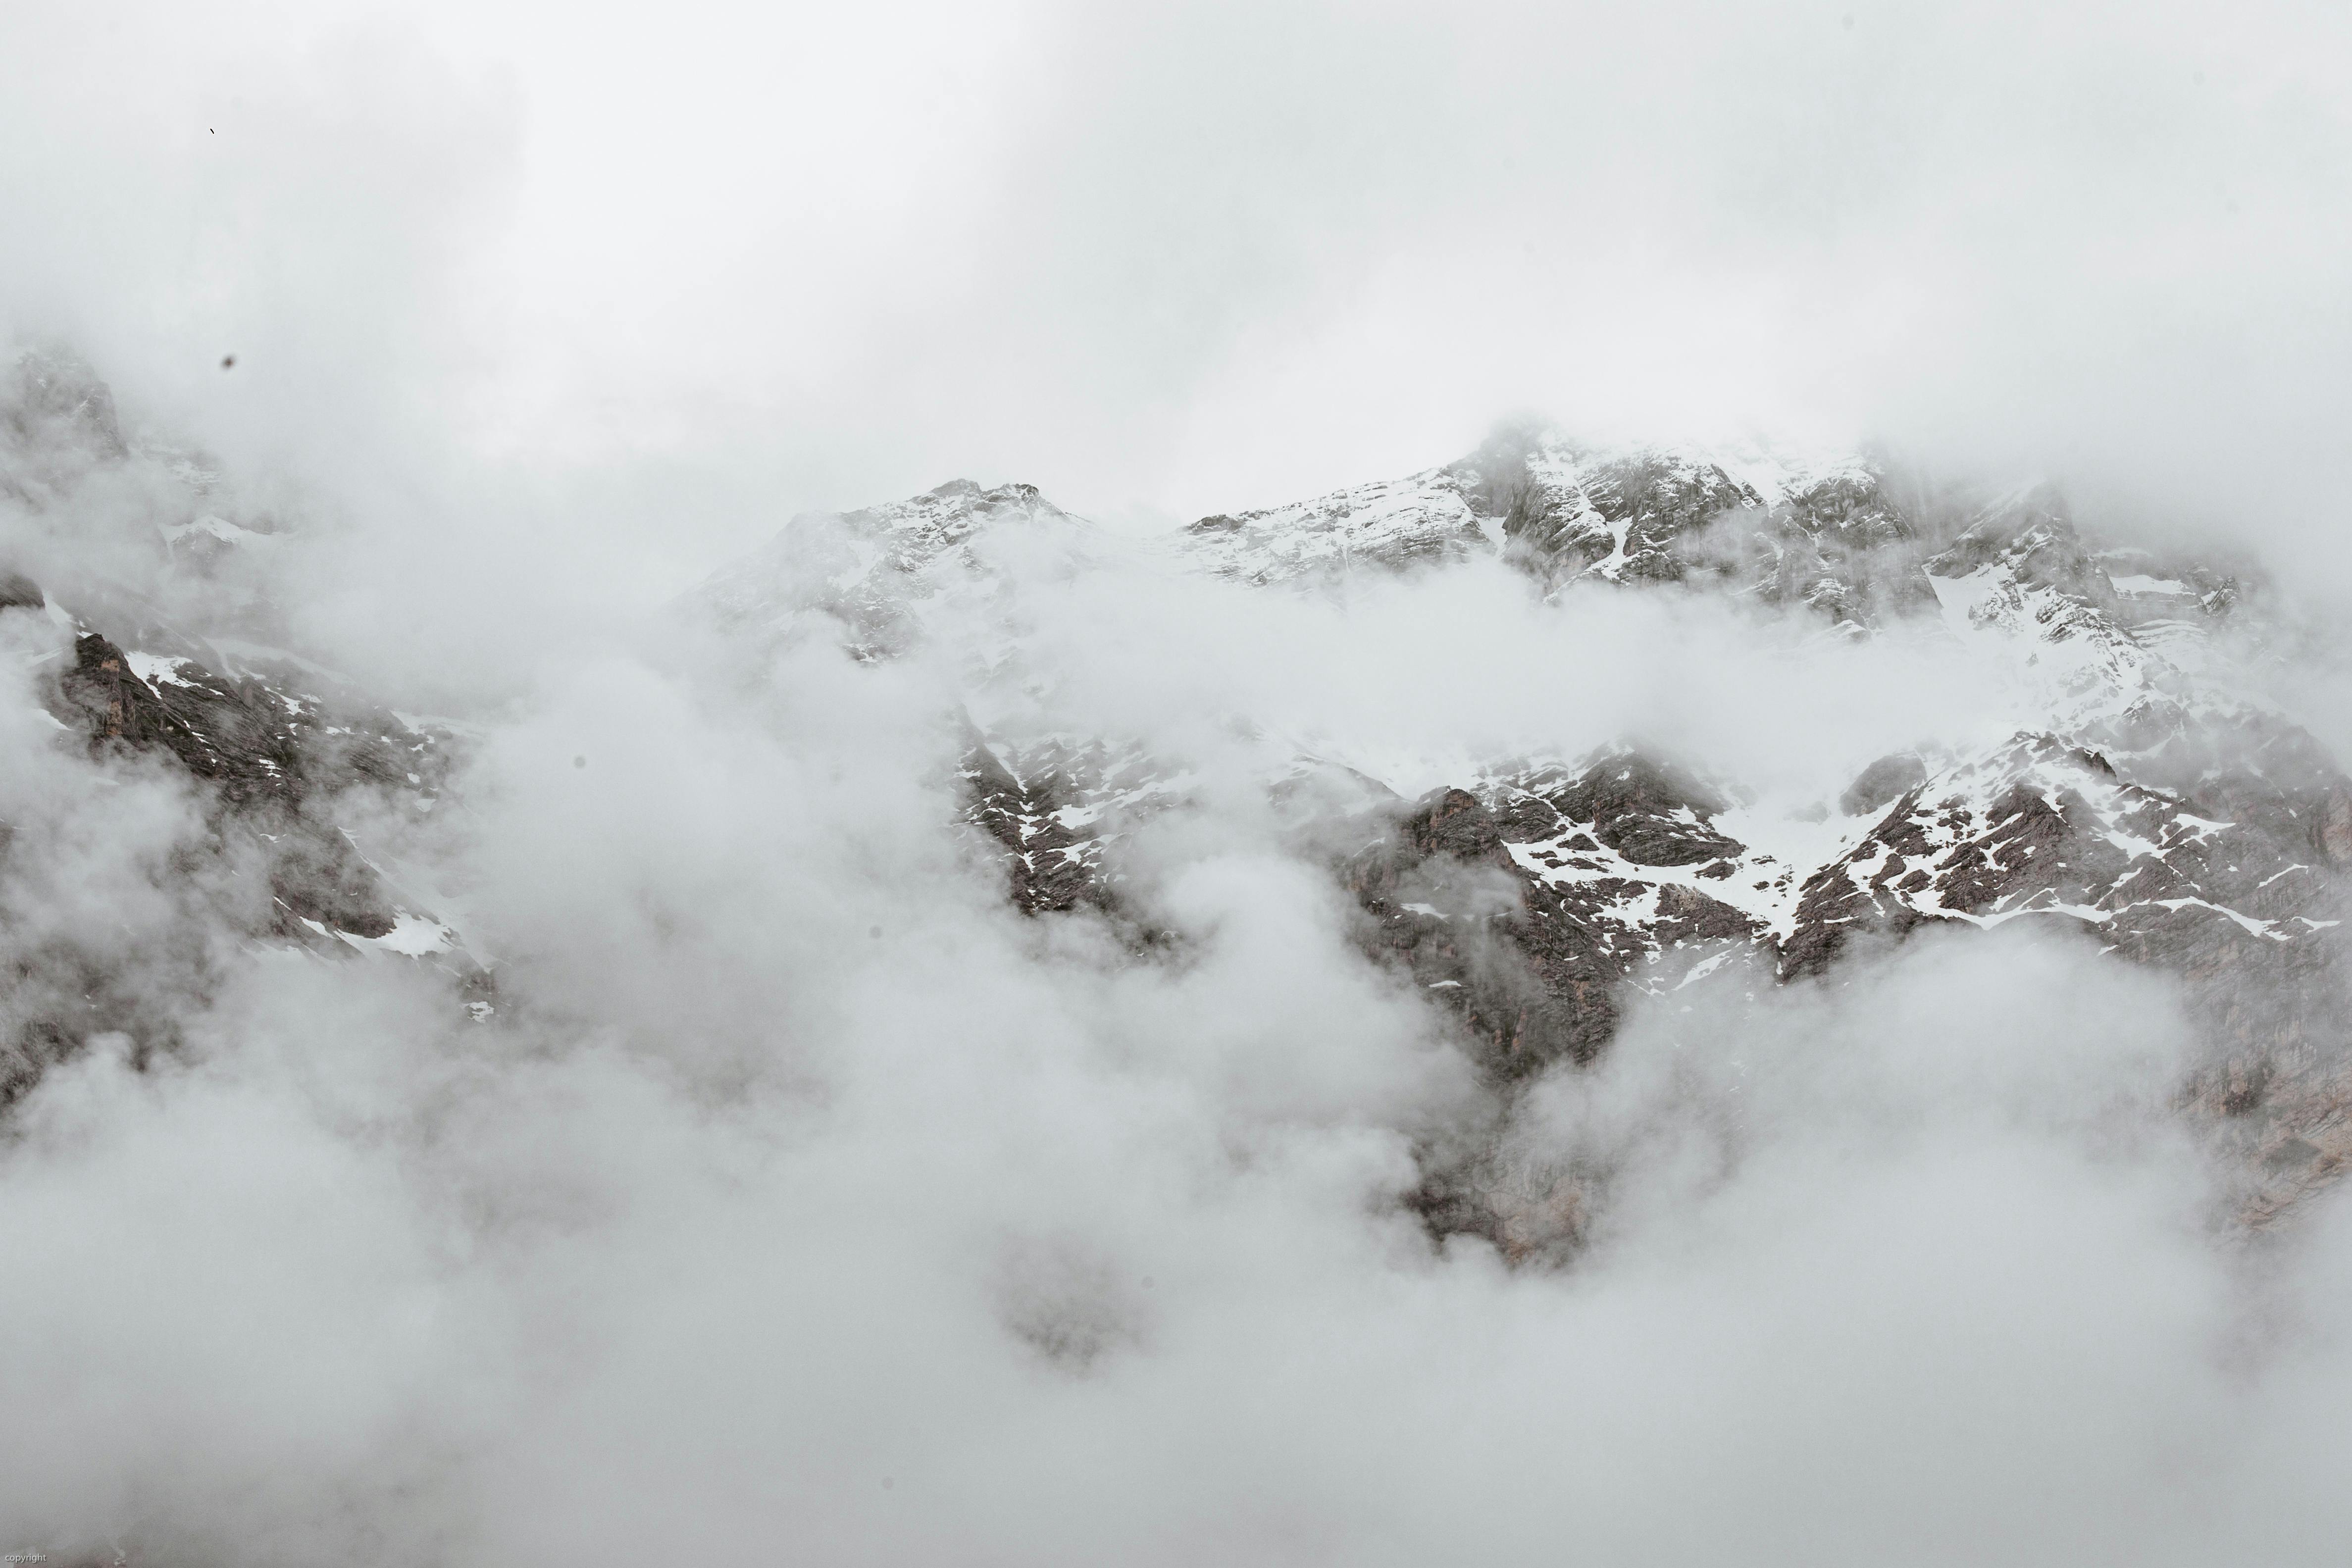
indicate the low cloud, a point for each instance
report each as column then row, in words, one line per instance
column 803, row 1198
column 807, row 1193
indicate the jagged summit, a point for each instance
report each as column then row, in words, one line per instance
column 949, row 514
column 1822, row 529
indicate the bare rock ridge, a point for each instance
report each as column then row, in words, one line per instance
column 1822, row 531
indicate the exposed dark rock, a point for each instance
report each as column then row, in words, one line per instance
column 1458, row 823
column 1646, row 811
column 1443, row 902
column 267, row 760
column 1055, row 811
column 2334, row 827
column 218, row 731
column 1882, row 781
column 20, row 592
column 1051, row 866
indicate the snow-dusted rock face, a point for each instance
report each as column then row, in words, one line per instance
column 268, row 748
column 1058, row 816
column 2042, row 827
column 1615, row 867
column 1430, row 519
column 1784, row 527
column 266, row 743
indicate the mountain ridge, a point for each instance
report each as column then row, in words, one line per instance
column 2171, row 818
column 2178, row 822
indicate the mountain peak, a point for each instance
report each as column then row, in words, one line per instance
column 1563, row 509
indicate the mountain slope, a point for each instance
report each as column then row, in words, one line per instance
column 263, row 746
column 2146, row 804
column 2172, row 820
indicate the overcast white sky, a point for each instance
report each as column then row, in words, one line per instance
column 681, row 270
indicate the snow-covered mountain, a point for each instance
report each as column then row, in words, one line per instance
column 2179, row 822
column 2150, row 804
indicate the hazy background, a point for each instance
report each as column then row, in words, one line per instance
column 807, row 1203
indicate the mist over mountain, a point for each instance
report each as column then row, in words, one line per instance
column 971, row 1034
column 1285, row 784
